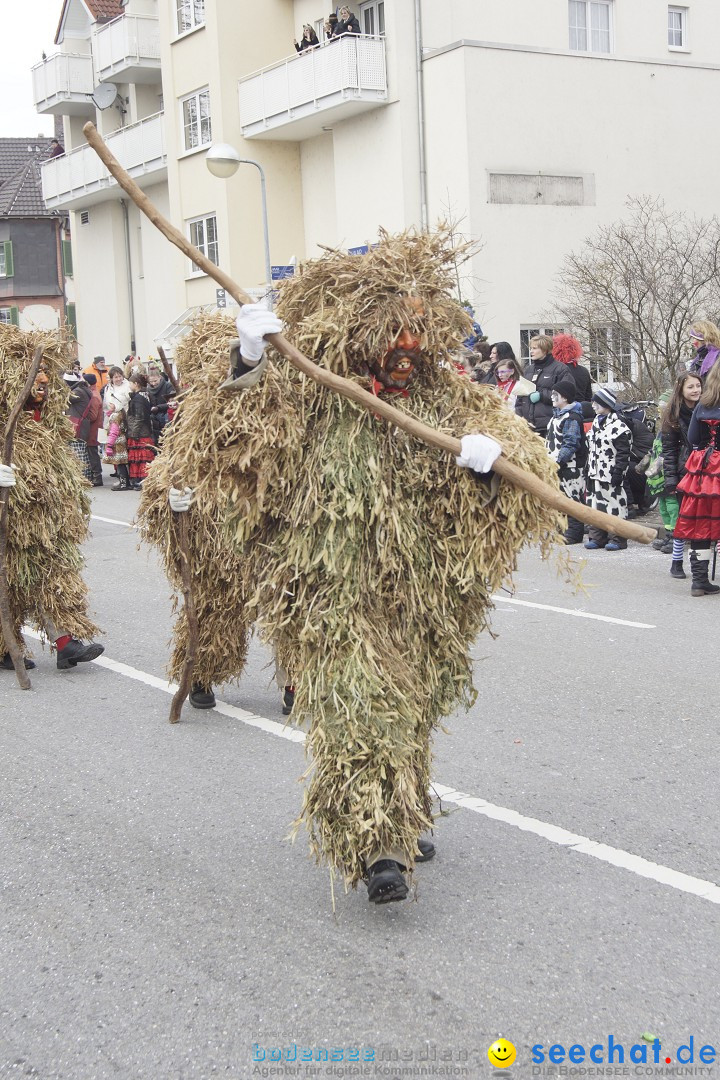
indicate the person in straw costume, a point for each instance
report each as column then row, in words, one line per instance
column 367, row 558
column 48, row 510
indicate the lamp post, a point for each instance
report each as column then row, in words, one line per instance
column 223, row 160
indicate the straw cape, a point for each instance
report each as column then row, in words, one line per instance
column 367, row 558
column 49, row 509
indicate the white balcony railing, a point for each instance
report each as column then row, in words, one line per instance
column 128, row 46
column 63, row 85
column 80, row 179
column 296, row 97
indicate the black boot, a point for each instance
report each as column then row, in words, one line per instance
column 288, row 700
column 676, row 569
column 701, row 585
column 122, row 485
column 76, row 653
column 7, row 663
column 426, row 849
column 385, row 882
column 202, row 697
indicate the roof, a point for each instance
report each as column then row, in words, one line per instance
column 20, row 183
column 100, row 11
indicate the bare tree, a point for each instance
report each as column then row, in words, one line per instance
column 636, row 285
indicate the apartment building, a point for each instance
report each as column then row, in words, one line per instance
column 529, row 122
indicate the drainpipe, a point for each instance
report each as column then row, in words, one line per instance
column 421, row 115
column 128, row 263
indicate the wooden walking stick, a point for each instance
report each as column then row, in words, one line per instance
column 6, row 620
column 168, row 369
column 183, row 543
column 522, row 479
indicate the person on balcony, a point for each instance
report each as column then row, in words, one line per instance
column 330, row 24
column 347, row 23
column 309, row 39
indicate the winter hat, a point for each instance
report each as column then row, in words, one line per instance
column 566, row 388
column 97, row 360
column 71, row 378
column 90, row 379
column 605, row 397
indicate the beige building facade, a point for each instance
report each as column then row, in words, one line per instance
column 529, row 123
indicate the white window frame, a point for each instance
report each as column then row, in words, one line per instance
column 6, row 316
column 201, row 99
column 674, row 9
column 376, row 10
column 201, row 242
column 2, row 261
column 606, row 368
column 591, row 6
column 195, row 15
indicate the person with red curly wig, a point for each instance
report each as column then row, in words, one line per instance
column 568, row 350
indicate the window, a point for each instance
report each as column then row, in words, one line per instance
column 197, row 129
column 67, row 258
column 610, row 354
column 528, row 332
column 190, row 13
column 203, row 235
column 372, row 17
column 590, row 25
column 71, row 319
column 10, row 316
column 7, row 268
column 677, row 28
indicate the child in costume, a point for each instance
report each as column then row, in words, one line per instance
column 609, row 446
column 565, row 441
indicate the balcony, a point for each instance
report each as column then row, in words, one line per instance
column 63, row 85
column 296, row 98
column 79, row 179
column 128, row 50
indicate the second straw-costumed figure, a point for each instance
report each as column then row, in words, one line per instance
column 367, row 558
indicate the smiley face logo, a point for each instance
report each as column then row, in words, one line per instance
column 501, row 1054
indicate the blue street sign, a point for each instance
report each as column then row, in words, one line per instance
column 362, row 250
column 278, row 273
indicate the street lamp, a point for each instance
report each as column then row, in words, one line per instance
column 223, row 160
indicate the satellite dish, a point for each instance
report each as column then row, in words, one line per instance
column 104, row 95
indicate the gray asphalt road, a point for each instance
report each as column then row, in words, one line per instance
column 157, row 923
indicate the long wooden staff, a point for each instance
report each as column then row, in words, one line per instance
column 168, row 369
column 183, row 543
column 6, row 620
column 522, row 479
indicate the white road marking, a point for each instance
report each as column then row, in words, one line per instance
column 707, row 890
column 554, row 834
column 573, row 611
column 112, row 521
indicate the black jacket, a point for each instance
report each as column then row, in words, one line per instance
column 583, row 381
column 139, row 417
column 699, row 433
column 159, row 396
column 347, row 26
column 546, row 373
column 81, row 405
column 675, row 448
column 305, row 44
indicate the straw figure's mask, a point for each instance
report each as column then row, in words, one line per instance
column 38, row 395
column 397, row 368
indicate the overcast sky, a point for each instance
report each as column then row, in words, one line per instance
column 28, row 29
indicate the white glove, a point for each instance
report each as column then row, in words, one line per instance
column 7, row 476
column 478, row 452
column 253, row 322
column 181, row 500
